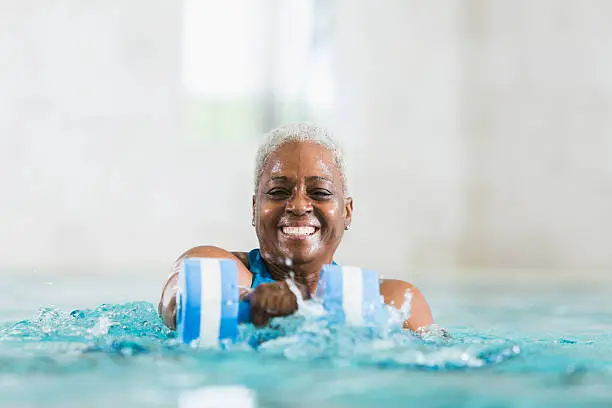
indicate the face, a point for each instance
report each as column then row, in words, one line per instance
column 299, row 209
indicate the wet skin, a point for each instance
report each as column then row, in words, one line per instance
column 300, row 214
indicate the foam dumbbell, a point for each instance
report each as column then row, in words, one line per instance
column 351, row 295
column 209, row 307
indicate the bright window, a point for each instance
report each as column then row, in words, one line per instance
column 249, row 65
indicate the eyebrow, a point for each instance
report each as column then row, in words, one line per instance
column 311, row 178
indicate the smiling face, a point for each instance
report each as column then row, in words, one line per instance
column 299, row 209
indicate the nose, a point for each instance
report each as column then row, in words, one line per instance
column 299, row 203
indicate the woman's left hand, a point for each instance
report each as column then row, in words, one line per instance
column 274, row 299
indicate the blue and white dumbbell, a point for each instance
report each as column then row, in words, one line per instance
column 209, row 307
column 351, row 295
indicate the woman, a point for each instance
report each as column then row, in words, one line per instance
column 300, row 212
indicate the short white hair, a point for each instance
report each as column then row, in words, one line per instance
column 299, row 132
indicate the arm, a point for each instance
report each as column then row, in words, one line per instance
column 394, row 291
column 167, row 303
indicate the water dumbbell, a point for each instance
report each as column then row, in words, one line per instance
column 209, row 308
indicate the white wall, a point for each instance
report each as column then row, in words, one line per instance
column 490, row 124
column 538, row 97
column 90, row 107
column 399, row 68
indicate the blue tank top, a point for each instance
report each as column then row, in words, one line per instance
column 259, row 270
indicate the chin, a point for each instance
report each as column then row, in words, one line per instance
column 301, row 255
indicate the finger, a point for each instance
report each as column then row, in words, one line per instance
column 281, row 303
column 289, row 300
column 259, row 316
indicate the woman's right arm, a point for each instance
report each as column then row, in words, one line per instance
column 167, row 303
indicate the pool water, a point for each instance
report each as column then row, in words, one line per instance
column 97, row 341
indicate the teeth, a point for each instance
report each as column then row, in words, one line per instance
column 298, row 230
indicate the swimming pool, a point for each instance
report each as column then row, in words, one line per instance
column 518, row 342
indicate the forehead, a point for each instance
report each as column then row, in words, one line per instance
column 302, row 159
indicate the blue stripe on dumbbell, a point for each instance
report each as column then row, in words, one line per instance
column 351, row 295
column 230, row 299
column 190, row 298
column 330, row 289
column 209, row 307
column 371, row 294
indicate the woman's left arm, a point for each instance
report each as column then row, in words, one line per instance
column 394, row 292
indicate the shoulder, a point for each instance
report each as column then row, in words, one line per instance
column 243, row 257
column 209, row 251
column 396, row 292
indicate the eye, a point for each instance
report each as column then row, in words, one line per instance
column 278, row 193
column 321, row 194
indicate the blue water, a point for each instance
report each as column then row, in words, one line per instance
column 514, row 344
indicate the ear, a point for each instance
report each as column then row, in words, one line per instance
column 253, row 208
column 348, row 211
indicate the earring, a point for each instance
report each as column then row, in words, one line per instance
column 253, row 222
column 348, row 227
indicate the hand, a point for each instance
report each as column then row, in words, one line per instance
column 274, row 299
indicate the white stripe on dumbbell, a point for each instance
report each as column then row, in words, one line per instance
column 352, row 295
column 210, row 310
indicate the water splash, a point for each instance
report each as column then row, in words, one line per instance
column 134, row 329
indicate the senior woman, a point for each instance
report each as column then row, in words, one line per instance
column 300, row 212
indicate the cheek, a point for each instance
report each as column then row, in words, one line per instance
column 333, row 214
column 268, row 212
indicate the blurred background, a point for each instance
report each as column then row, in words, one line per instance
column 478, row 133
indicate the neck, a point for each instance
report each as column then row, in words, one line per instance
column 306, row 274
